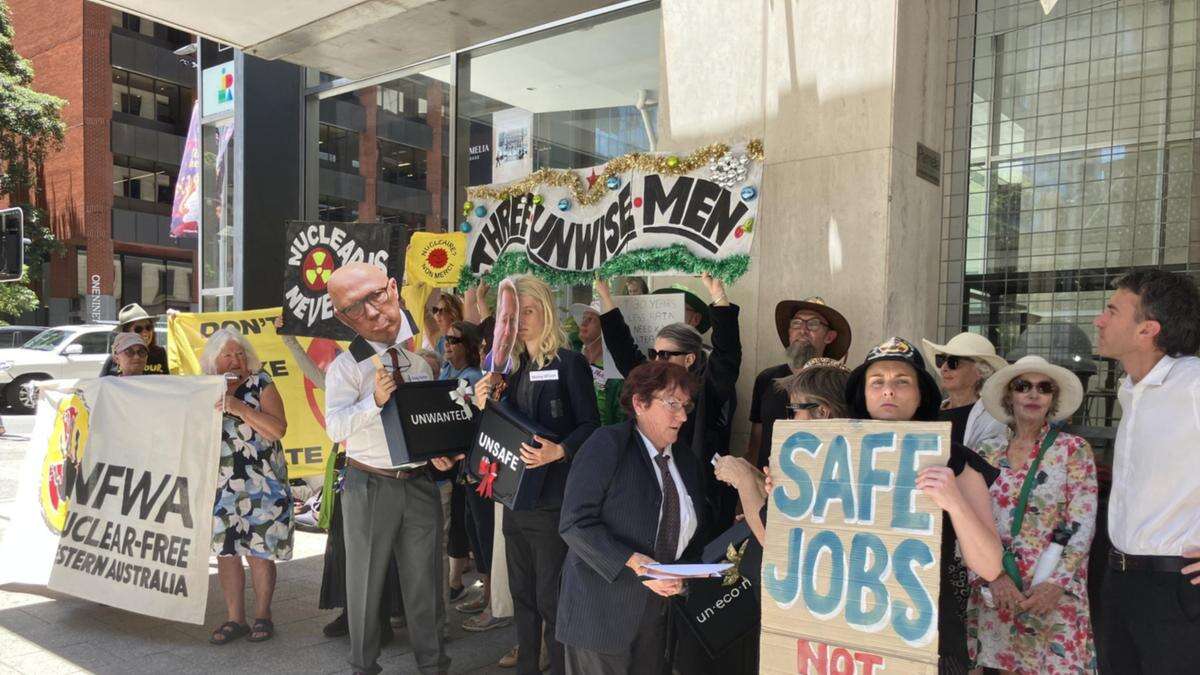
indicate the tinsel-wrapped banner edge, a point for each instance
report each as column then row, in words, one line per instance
column 676, row 258
column 668, row 165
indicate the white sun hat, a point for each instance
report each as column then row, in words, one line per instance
column 970, row 345
column 1070, row 389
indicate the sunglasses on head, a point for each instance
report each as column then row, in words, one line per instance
column 794, row 408
column 1021, row 386
column 663, row 354
column 951, row 362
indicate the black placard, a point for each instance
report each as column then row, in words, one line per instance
column 314, row 250
column 495, row 458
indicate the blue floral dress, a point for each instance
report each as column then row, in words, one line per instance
column 253, row 512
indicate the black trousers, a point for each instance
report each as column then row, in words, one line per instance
column 535, row 555
column 1151, row 624
column 456, row 543
column 481, row 523
column 646, row 656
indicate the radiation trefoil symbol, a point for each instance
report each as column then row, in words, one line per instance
column 318, row 264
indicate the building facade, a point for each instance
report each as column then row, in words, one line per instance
column 108, row 192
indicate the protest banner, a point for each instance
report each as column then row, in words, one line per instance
column 435, row 258
column 645, row 315
column 637, row 214
column 850, row 571
column 314, row 251
column 38, row 514
column 137, row 462
column 306, row 445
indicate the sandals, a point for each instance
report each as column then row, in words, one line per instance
column 228, row 632
column 263, row 626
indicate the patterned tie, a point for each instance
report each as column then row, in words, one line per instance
column 397, row 376
column 668, row 527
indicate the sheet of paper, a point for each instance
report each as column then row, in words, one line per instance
column 661, row 571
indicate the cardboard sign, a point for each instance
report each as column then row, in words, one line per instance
column 645, row 315
column 314, row 251
column 851, row 569
column 579, row 219
column 133, row 502
column 495, row 457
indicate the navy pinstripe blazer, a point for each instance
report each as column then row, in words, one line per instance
column 610, row 511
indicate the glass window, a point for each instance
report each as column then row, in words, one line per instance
column 401, row 164
column 337, row 210
column 143, row 180
column 338, row 149
column 93, row 343
column 1074, row 175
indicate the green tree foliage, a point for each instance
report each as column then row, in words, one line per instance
column 30, row 128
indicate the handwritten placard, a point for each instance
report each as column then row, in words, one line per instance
column 851, row 566
column 645, row 315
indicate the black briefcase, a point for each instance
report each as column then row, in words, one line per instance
column 495, row 457
column 719, row 612
column 423, row 420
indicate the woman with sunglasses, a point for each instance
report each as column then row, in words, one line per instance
column 444, row 310
column 1034, row 618
column 551, row 386
column 892, row 384
column 963, row 365
column 706, row 430
column 134, row 319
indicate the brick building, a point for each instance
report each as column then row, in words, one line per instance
column 108, row 191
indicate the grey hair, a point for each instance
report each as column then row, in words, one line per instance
column 985, row 371
column 683, row 335
column 216, row 342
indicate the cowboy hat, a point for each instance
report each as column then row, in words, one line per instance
column 1070, row 390
column 691, row 300
column 130, row 313
column 786, row 309
column 970, row 345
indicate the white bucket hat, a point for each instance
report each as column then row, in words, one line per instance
column 579, row 309
column 970, row 345
column 1070, row 390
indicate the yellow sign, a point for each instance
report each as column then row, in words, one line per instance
column 435, row 258
column 850, row 571
column 306, row 446
column 68, row 440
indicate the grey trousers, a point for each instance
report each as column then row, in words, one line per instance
column 381, row 517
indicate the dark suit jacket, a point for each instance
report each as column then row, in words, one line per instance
column 611, row 511
column 567, row 408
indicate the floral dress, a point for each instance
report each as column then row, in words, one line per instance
column 253, row 512
column 1062, row 508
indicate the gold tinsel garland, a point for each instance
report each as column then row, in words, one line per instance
column 670, row 165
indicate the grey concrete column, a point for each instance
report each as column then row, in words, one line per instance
column 841, row 93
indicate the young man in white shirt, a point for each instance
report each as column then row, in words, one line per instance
column 1151, row 594
column 386, row 509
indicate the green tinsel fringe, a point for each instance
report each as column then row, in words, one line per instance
column 675, row 258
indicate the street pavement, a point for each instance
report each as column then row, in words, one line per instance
column 43, row 632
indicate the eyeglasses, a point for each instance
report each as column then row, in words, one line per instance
column 454, row 340
column 136, row 351
column 142, row 328
column 663, row 354
column 374, row 298
column 810, row 325
column 676, row 406
column 1043, row 387
column 794, row 408
column 951, row 362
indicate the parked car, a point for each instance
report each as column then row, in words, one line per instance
column 15, row 336
column 63, row 352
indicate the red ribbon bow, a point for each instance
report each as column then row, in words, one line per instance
column 487, row 476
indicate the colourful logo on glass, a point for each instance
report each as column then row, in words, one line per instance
column 225, row 87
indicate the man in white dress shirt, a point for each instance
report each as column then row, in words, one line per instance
column 1151, row 594
column 386, row 509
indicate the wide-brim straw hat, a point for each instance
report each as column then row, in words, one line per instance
column 970, row 345
column 1070, row 389
column 130, row 313
column 785, row 310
